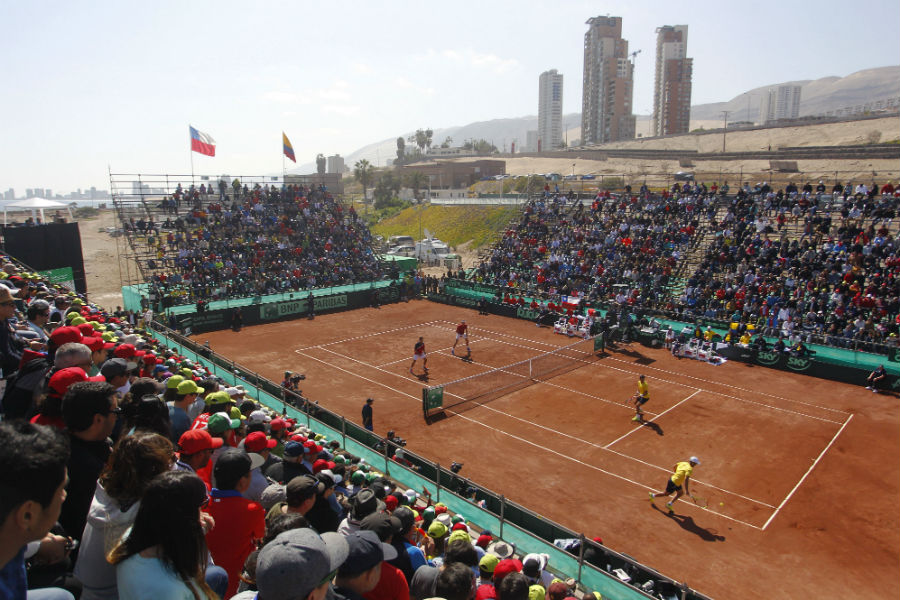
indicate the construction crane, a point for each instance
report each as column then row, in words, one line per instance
column 633, row 56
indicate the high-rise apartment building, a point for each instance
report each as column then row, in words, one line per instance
column 608, row 84
column 672, row 86
column 782, row 102
column 531, row 140
column 550, row 100
column 334, row 164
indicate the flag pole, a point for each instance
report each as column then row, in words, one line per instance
column 192, row 156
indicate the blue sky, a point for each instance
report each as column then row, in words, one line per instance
column 92, row 84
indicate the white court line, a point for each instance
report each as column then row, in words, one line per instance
column 714, row 382
column 805, row 475
column 368, row 335
column 738, row 398
column 638, row 428
column 460, row 415
column 497, row 333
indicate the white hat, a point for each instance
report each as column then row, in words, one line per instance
column 258, row 416
column 336, row 478
column 233, row 391
column 695, row 460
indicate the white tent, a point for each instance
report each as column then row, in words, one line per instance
column 35, row 204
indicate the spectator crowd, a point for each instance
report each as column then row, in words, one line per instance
column 798, row 262
column 269, row 239
column 128, row 471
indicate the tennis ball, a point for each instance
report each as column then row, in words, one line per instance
column 721, row 504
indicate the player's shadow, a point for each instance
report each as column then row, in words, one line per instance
column 687, row 523
column 422, row 376
column 654, row 427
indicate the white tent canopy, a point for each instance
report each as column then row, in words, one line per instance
column 34, row 205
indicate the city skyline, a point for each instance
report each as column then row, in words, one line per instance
column 114, row 85
column 550, row 102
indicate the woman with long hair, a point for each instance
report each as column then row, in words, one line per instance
column 164, row 555
column 134, row 462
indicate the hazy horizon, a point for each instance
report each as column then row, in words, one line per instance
column 116, row 84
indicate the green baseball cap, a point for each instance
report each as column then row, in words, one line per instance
column 188, row 387
column 173, row 381
column 218, row 398
column 220, row 422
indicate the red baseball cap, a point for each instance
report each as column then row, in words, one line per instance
column 299, row 437
column 149, row 359
column 310, row 447
column 193, row 441
column 322, row 464
column 66, row 335
column 62, row 379
column 391, row 502
column 125, row 351
column 257, row 441
column 96, row 344
column 86, row 329
column 505, row 567
column 277, row 424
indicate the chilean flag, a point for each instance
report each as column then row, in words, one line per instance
column 202, row 143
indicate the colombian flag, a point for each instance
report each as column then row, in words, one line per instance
column 288, row 149
column 202, row 143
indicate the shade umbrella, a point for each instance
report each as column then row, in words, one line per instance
column 35, row 204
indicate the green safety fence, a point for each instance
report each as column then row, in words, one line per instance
column 530, row 532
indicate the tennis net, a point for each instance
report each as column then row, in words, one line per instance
column 478, row 389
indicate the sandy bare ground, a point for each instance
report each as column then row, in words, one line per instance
column 101, row 254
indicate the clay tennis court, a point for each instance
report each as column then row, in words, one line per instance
column 801, row 475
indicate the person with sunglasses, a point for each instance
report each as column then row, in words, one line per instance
column 11, row 347
column 37, row 316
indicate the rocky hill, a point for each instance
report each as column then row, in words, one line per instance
column 818, row 96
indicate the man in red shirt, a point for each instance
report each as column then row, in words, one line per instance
column 462, row 332
column 392, row 583
column 239, row 522
column 419, row 352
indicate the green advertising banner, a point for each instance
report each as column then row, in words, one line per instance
column 432, row 399
column 63, row 276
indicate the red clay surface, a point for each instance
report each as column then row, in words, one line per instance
column 567, row 449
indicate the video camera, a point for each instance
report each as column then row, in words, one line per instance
column 395, row 439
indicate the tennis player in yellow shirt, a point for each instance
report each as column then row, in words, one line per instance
column 679, row 482
column 642, row 396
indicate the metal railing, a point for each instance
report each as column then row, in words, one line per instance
column 595, row 566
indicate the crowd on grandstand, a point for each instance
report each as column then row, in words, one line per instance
column 833, row 278
column 129, row 471
column 264, row 240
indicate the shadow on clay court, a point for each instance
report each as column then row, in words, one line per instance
column 654, row 427
column 687, row 523
column 637, row 356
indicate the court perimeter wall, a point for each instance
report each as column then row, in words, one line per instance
column 482, row 507
column 824, row 362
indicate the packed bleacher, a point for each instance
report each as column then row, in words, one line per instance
column 203, row 245
column 562, row 247
column 798, row 263
column 130, row 471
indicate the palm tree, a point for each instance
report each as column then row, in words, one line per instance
column 364, row 171
column 416, row 180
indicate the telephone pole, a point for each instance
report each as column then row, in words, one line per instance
column 724, row 128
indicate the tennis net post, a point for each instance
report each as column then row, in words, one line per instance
column 503, row 380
